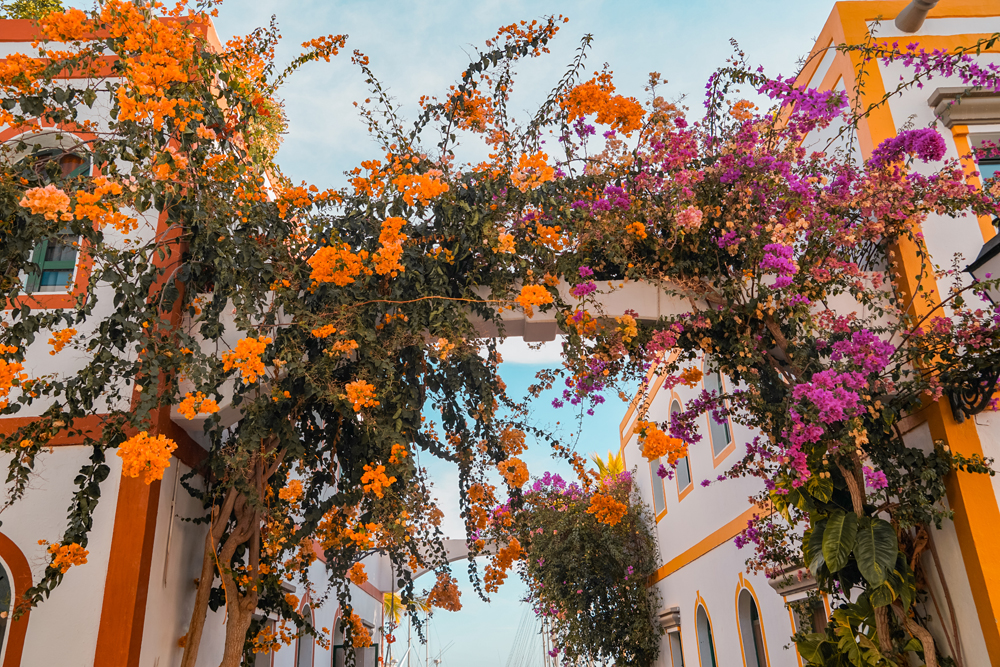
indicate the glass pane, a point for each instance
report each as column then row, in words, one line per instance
column 55, row 281
column 706, row 645
column 988, row 169
column 5, row 603
column 659, row 502
column 60, row 252
column 676, row 655
column 305, row 643
column 719, row 432
column 683, row 474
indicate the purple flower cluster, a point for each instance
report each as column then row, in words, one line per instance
column 778, row 259
column 925, row 143
column 583, row 289
column 866, row 350
column 875, row 479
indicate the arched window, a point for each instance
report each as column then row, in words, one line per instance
column 683, row 465
column 306, row 644
column 706, row 642
column 6, row 605
column 719, row 432
column 659, row 499
column 751, row 633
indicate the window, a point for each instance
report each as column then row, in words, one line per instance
column 988, row 169
column 706, row 642
column 264, row 659
column 676, row 654
column 306, row 644
column 55, row 257
column 6, row 604
column 719, row 432
column 751, row 634
column 683, row 465
column 659, row 501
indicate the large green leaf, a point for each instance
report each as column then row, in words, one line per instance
column 812, row 547
column 838, row 539
column 821, row 488
column 875, row 549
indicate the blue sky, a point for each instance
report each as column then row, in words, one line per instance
column 420, row 47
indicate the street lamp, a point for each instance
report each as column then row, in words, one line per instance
column 911, row 18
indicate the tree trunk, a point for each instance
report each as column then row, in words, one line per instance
column 205, row 581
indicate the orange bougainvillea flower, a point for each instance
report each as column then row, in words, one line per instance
column 246, row 357
column 445, row 593
column 337, row 264
column 606, row 509
column 387, row 257
column 375, row 480
column 59, row 339
column 512, row 441
column 143, row 454
column 197, row 403
column 691, row 376
column 357, row 574
column 361, row 395
column 656, row 444
column 514, row 471
column 50, row 202
column 11, row 374
column 596, row 96
column 533, row 295
column 532, row 171
column 66, row 555
column 291, row 491
column 496, row 570
column 360, row 637
column 420, row 187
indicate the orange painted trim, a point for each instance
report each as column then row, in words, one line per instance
column 20, row 573
column 740, row 587
column 700, row 602
column 960, row 134
column 373, row 592
column 791, row 623
column 25, row 30
column 680, row 640
column 710, row 542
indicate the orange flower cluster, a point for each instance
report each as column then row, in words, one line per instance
column 629, row 329
column 505, row 243
column 397, row 454
column 691, row 376
column 443, row 347
column 65, row 556
column 387, row 257
column 582, row 323
column 514, row 471
column 167, row 163
column 326, row 46
column 71, row 25
column 372, row 185
column 596, row 97
column 481, row 500
column 512, row 441
column 246, row 357
column 420, row 187
column 606, row 509
column 496, row 570
column 361, row 395
column 656, row 444
column 357, row 574
column 533, row 32
column 292, row 491
column 166, row 56
column 21, row 72
column 638, row 230
column 49, row 201
column 60, row 339
column 144, row 454
column 445, row 594
column 471, row 110
column 375, row 479
column 532, row 171
column 533, row 295
column 195, row 403
column 550, row 237
column 11, row 374
column 337, row 264
column 325, row 331
column 360, row 637
column 103, row 213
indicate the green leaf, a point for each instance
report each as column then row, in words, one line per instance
column 875, row 550
column 812, row 547
column 882, row 596
column 821, row 488
column 838, row 540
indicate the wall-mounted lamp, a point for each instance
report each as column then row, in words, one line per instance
column 911, row 18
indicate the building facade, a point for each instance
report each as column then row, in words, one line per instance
column 715, row 614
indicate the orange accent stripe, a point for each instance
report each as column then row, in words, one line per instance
column 712, row 541
column 960, row 133
column 21, row 581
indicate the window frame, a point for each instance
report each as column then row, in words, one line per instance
column 306, row 607
column 717, row 459
column 700, row 604
column 73, row 139
column 681, row 492
column 745, row 588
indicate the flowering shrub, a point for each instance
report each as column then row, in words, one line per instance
column 586, row 552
